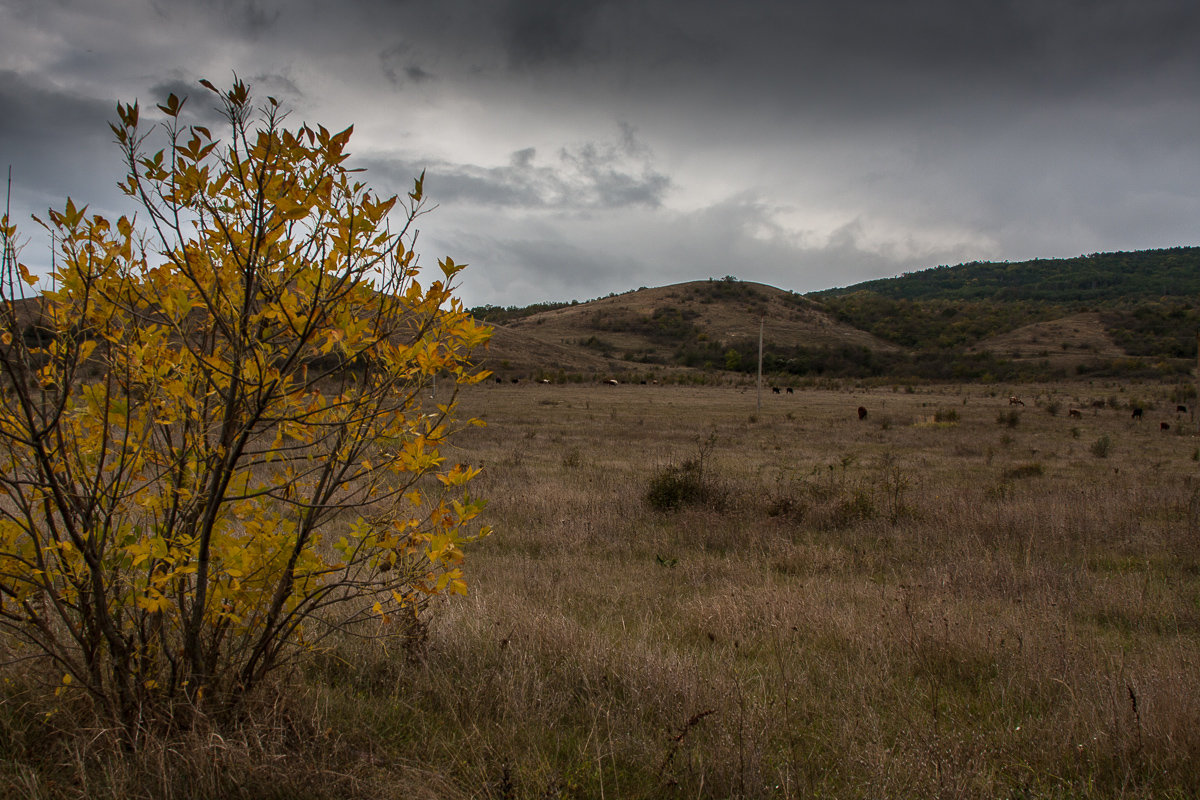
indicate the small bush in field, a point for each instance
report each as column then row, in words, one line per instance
column 677, row 485
column 856, row 507
column 945, row 415
column 1053, row 407
column 1008, row 418
column 684, row 484
column 572, row 458
column 1102, row 447
column 1031, row 470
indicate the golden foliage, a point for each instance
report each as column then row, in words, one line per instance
column 208, row 397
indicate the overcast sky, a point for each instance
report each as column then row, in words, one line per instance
column 582, row 147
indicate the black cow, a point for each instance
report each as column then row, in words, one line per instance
column 1137, row 413
column 789, row 390
column 775, row 389
column 862, row 413
column 1180, row 409
column 1164, row 426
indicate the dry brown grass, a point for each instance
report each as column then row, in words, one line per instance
column 919, row 604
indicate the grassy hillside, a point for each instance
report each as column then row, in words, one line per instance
column 711, row 324
column 979, row 321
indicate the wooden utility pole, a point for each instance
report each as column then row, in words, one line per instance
column 760, row 338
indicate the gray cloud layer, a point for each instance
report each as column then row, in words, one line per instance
column 597, row 145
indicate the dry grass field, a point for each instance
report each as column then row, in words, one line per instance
column 690, row 597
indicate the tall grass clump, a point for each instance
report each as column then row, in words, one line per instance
column 677, row 485
column 685, row 483
column 1102, row 446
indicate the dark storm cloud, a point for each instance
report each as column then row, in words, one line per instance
column 547, row 31
column 803, row 143
column 593, row 176
column 47, row 137
column 852, row 59
column 398, row 66
column 34, row 112
column 544, row 265
column 251, row 18
column 562, row 262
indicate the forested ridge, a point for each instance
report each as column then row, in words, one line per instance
column 1105, row 279
column 1149, row 300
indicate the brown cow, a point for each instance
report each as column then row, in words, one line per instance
column 1075, row 412
column 1015, row 401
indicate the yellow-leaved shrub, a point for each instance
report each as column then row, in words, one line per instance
column 217, row 437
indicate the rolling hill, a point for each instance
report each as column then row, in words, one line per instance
column 691, row 324
column 1126, row 314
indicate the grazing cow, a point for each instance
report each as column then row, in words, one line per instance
column 789, row 390
column 516, row 380
column 1075, row 412
column 1180, row 409
column 544, row 380
column 775, row 389
column 499, row 379
column 1164, row 426
column 613, row 382
column 862, row 413
column 1015, row 401
column 1137, row 414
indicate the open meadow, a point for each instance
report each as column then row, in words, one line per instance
column 686, row 596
